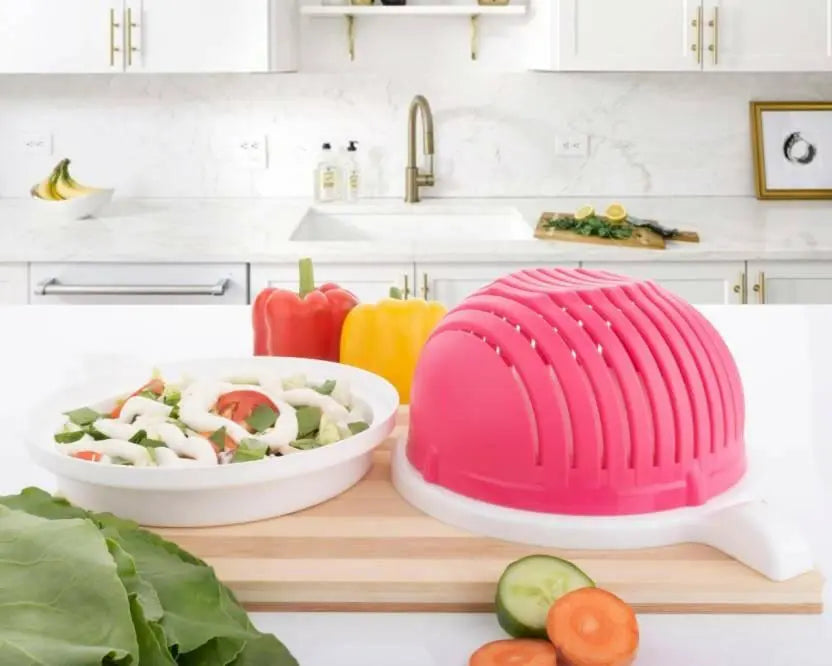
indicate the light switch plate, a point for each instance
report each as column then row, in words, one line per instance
column 36, row 145
column 250, row 152
column 572, row 145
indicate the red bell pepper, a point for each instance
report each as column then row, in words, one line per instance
column 306, row 324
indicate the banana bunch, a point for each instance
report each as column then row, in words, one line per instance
column 60, row 186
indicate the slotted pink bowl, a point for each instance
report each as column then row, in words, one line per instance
column 582, row 409
column 578, row 392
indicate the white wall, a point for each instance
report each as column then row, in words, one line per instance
column 651, row 134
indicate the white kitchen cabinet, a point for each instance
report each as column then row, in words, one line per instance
column 43, row 36
column 138, row 284
column 147, row 36
column 369, row 281
column 209, row 35
column 682, row 35
column 14, row 282
column 611, row 35
column 790, row 282
column 767, row 35
column 450, row 283
column 699, row 283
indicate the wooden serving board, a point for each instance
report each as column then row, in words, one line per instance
column 368, row 550
column 642, row 237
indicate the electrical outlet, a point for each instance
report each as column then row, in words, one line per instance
column 37, row 145
column 572, row 145
column 251, row 152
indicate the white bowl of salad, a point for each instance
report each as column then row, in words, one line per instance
column 214, row 442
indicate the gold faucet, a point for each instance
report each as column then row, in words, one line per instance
column 413, row 178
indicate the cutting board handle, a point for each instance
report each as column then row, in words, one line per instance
column 756, row 535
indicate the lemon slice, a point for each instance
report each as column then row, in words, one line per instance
column 616, row 212
column 584, row 212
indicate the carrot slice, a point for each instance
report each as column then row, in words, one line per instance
column 593, row 627
column 515, row 652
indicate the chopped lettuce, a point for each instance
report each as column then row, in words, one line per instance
column 218, row 438
column 326, row 388
column 328, row 432
column 306, row 443
column 83, row 416
column 357, row 427
column 309, row 418
column 248, row 450
column 69, row 436
column 262, row 418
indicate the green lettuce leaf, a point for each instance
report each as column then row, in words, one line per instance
column 176, row 604
column 59, row 574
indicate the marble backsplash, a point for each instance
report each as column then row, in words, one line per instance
column 171, row 136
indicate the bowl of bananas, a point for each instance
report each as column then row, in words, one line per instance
column 64, row 196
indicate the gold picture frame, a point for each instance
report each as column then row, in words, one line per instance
column 763, row 187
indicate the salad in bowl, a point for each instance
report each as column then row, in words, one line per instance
column 213, row 441
column 209, row 422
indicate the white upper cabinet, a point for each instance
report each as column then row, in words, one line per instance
column 197, row 36
column 149, row 36
column 682, row 35
column 768, row 35
column 609, row 35
column 42, row 36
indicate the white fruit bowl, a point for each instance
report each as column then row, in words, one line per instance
column 77, row 208
column 225, row 494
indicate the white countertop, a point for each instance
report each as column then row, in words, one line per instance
column 259, row 230
column 786, row 365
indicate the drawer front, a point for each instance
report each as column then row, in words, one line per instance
column 138, row 284
column 14, row 280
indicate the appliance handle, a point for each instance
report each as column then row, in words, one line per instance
column 53, row 287
column 756, row 535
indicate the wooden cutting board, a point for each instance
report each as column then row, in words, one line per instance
column 368, row 550
column 643, row 237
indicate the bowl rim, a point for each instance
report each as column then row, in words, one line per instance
column 46, row 417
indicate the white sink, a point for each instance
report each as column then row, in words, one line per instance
column 421, row 223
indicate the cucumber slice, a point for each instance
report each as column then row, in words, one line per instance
column 527, row 590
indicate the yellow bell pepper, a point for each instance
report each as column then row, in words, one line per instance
column 386, row 338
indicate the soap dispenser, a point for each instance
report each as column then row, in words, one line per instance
column 326, row 175
column 352, row 173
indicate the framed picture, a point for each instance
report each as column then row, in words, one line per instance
column 792, row 145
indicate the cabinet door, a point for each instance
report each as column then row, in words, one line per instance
column 768, row 35
column 369, row 282
column 790, row 282
column 198, row 36
column 450, row 283
column 637, row 35
column 699, row 283
column 64, row 36
column 14, row 279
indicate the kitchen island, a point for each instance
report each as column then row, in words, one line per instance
column 785, row 362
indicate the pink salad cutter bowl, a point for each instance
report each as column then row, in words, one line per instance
column 582, row 409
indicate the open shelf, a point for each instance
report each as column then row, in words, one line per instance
column 413, row 10
column 472, row 11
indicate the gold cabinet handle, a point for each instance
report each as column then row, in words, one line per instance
column 425, row 287
column 406, row 291
column 760, row 288
column 714, row 46
column 741, row 288
column 696, row 47
column 113, row 48
column 130, row 24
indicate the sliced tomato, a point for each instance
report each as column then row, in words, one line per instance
column 156, row 386
column 238, row 405
column 92, row 456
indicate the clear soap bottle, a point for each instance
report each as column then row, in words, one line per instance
column 326, row 175
column 352, row 173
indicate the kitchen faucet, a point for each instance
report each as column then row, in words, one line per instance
column 413, row 178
